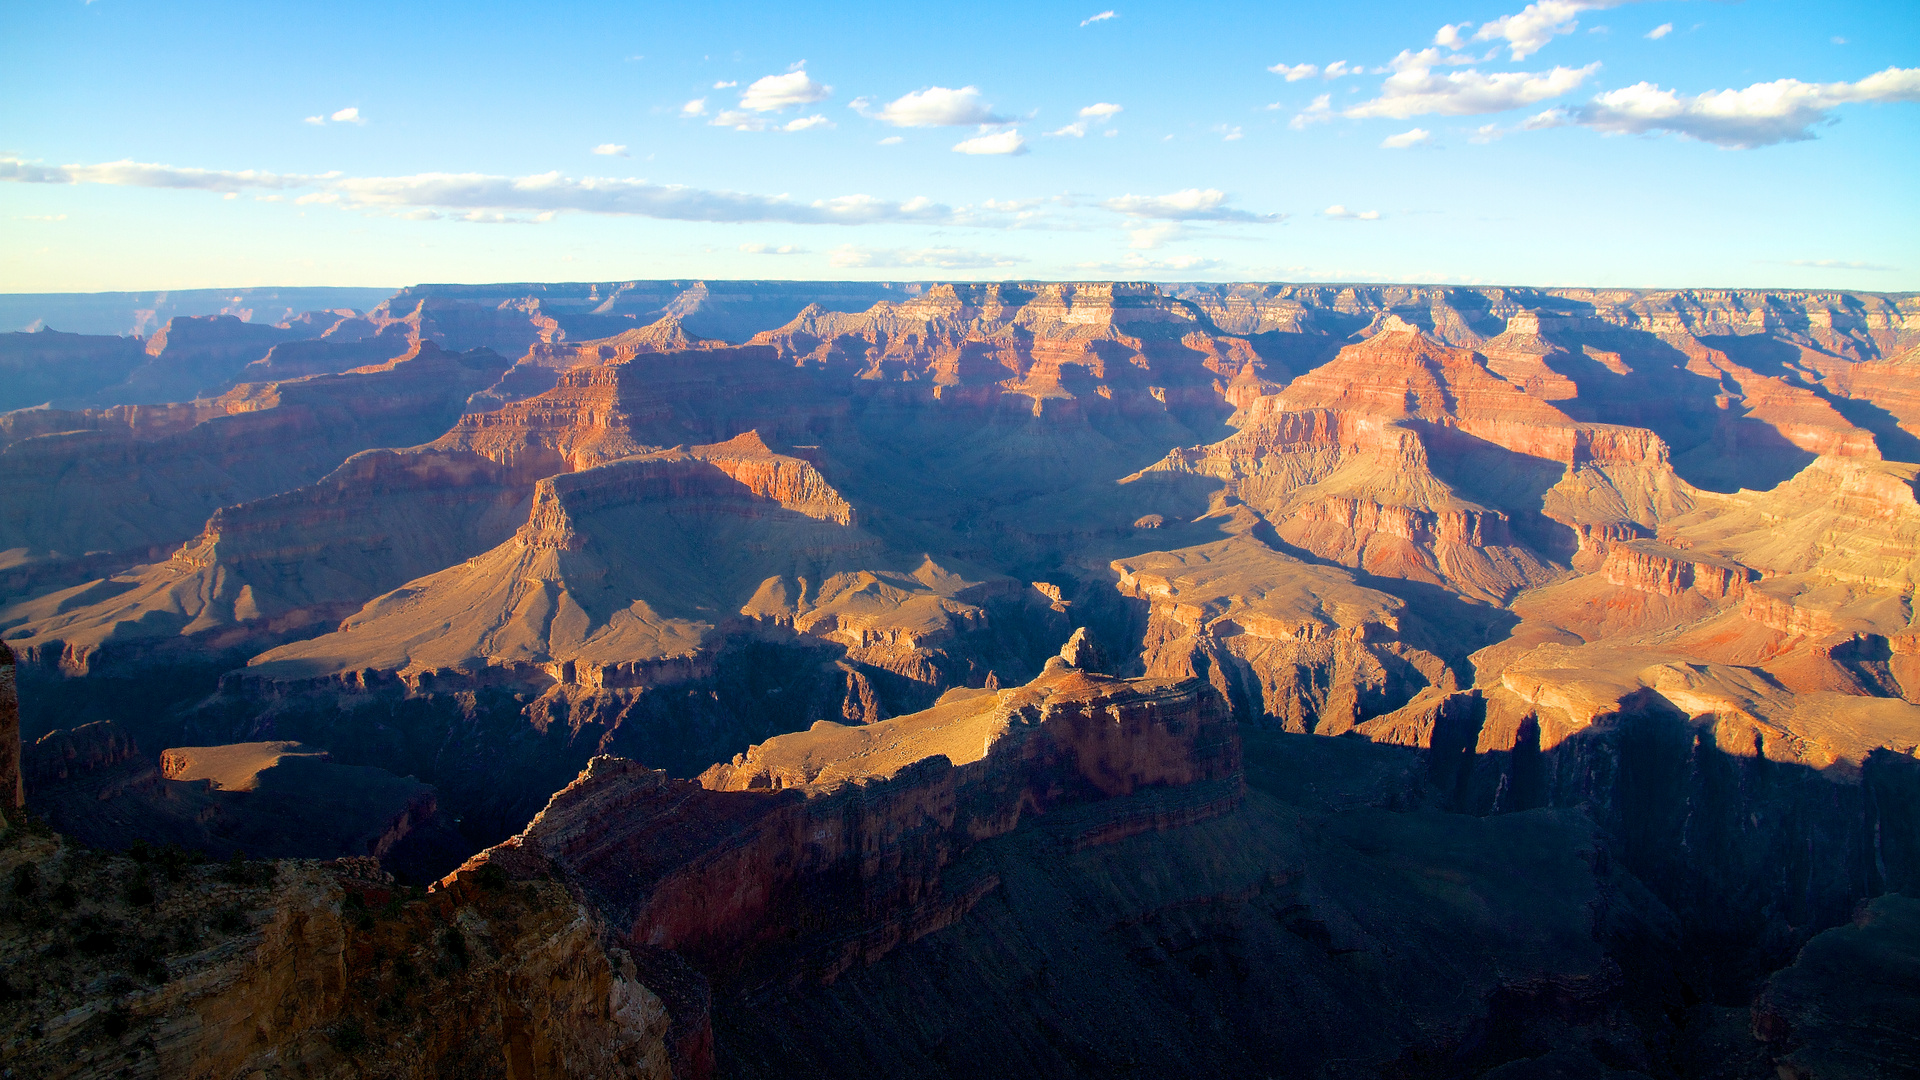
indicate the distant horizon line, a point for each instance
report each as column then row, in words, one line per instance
column 695, row 279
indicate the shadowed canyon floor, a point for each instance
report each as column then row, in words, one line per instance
column 1017, row 679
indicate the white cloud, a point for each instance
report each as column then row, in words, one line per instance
column 1835, row 264
column 1102, row 17
column 1098, row 113
column 936, row 106
column 1448, row 37
column 769, row 249
column 1785, row 110
column 1660, row 31
column 1295, row 72
column 1229, row 132
column 1339, row 68
column 892, row 140
column 726, row 84
column 939, row 258
column 1141, row 262
column 696, row 107
column 997, row 142
column 1414, row 90
column 807, row 123
column 1193, row 204
column 740, row 121
column 1319, row 112
column 771, row 93
column 43, row 217
column 607, row 149
column 1528, row 31
column 1415, row 137
column 349, row 115
column 1341, row 213
column 1156, row 234
column 543, row 193
column 316, row 121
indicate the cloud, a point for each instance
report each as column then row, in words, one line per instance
column 1339, row 68
column 607, row 149
column 1448, row 37
column 936, row 106
column 349, row 115
column 740, row 121
column 316, row 121
column 1193, row 204
column 43, row 217
column 1007, row 141
column 1098, row 113
column 808, row 123
column 1835, row 264
column 939, row 258
column 1660, row 31
column 1341, row 213
column 543, row 193
column 726, row 84
column 1154, row 235
column 892, row 140
column 696, row 107
column 1229, row 132
column 1141, row 262
column 1102, row 17
column 1295, row 72
column 1319, row 112
column 771, row 93
column 1414, row 90
column 769, row 249
column 1528, row 31
column 1415, row 137
column 1785, row 110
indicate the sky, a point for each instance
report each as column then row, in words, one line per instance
column 156, row 145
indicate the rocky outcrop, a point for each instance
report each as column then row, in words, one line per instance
column 304, row 969
column 1845, row 1006
column 128, row 488
column 1289, row 644
column 47, row 366
column 824, row 849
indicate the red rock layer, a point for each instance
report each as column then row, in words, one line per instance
column 749, row 881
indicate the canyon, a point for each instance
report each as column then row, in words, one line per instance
column 1021, row 678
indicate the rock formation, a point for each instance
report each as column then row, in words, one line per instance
column 153, row 965
column 1626, row 572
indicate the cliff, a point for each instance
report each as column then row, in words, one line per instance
column 823, row 849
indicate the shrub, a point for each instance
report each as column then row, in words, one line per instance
column 140, row 891
column 117, row 1021
column 26, row 880
column 65, row 896
column 348, row 1037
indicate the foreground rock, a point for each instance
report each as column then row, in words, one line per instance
column 156, row 967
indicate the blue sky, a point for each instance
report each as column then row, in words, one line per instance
column 180, row 145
